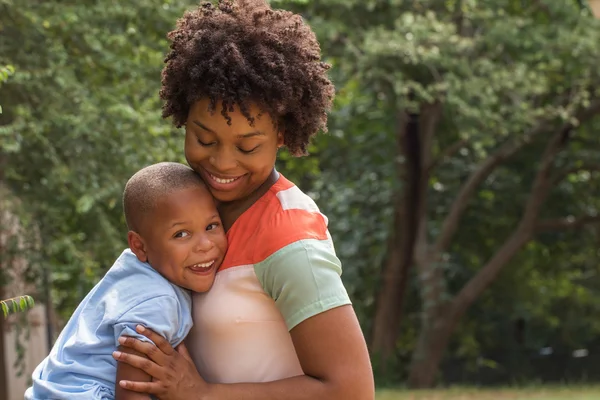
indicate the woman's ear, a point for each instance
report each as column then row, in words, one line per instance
column 280, row 140
column 137, row 246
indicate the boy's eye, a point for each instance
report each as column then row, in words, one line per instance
column 212, row 226
column 181, row 234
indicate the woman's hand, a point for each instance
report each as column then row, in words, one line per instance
column 174, row 376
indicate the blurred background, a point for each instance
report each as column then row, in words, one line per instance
column 460, row 175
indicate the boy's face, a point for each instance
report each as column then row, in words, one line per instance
column 183, row 239
column 233, row 160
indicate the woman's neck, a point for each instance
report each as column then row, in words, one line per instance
column 231, row 211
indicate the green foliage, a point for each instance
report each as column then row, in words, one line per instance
column 5, row 72
column 84, row 116
column 500, row 69
column 16, row 304
column 81, row 114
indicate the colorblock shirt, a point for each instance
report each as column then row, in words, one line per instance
column 80, row 365
column 280, row 269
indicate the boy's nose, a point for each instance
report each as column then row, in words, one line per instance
column 204, row 244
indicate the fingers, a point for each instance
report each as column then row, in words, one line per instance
column 181, row 349
column 146, row 348
column 143, row 387
column 140, row 362
column 160, row 341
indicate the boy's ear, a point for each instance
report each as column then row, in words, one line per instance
column 280, row 139
column 137, row 246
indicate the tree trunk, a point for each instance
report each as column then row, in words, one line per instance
column 383, row 338
column 415, row 136
column 439, row 319
column 428, row 354
column 3, row 366
column 400, row 246
column 414, row 143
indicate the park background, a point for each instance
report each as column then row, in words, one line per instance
column 460, row 175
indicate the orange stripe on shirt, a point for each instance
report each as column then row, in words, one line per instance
column 266, row 227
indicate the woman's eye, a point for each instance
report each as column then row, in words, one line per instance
column 181, row 234
column 212, row 226
column 248, row 151
column 205, row 144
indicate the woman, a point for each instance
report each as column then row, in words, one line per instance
column 245, row 80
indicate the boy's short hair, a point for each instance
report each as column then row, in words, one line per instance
column 148, row 185
column 242, row 51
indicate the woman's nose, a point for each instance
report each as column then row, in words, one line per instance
column 223, row 161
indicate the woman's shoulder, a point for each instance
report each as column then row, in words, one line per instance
column 283, row 216
column 285, row 207
column 290, row 215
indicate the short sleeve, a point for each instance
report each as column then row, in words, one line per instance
column 165, row 315
column 304, row 279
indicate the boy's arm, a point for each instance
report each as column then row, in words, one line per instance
column 127, row 372
column 165, row 313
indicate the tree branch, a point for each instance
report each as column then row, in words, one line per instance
column 447, row 153
column 543, row 182
column 537, row 4
column 486, row 275
column 561, row 224
column 467, row 190
column 522, row 234
column 429, row 117
column 583, row 168
column 485, row 168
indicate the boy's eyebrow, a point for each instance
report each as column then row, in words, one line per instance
column 240, row 136
column 214, row 216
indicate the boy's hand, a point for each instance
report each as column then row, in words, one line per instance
column 127, row 372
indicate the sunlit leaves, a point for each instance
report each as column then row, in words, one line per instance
column 16, row 304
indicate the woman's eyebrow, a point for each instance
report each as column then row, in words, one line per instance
column 251, row 134
column 203, row 126
column 240, row 136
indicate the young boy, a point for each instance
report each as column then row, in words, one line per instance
column 176, row 242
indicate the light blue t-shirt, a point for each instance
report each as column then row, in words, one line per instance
column 80, row 365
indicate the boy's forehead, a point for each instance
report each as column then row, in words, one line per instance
column 184, row 201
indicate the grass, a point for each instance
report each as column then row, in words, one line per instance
column 540, row 393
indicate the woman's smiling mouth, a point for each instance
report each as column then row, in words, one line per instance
column 222, row 180
column 222, row 183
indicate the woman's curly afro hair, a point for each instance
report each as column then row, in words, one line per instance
column 242, row 51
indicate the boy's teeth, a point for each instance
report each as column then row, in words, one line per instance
column 204, row 265
column 219, row 180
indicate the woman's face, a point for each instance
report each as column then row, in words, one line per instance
column 234, row 160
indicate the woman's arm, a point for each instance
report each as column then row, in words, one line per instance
column 303, row 278
column 330, row 347
column 336, row 365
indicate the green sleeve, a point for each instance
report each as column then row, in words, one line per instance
column 304, row 279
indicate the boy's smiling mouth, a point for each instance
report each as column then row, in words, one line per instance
column 202, row 268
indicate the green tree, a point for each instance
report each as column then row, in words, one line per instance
column 84, row 115
column 474, row 100
column 462, row 143
column 5, row 72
